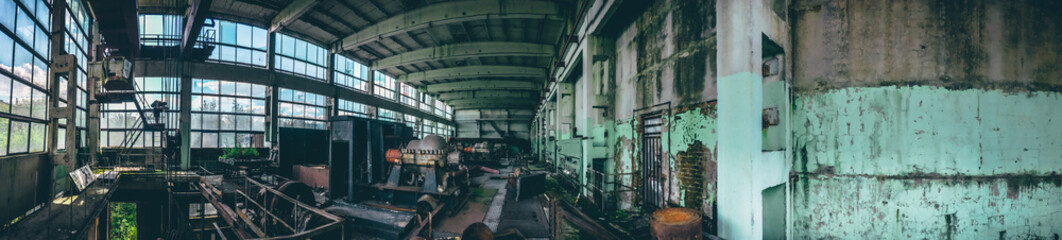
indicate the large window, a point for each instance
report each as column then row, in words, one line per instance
column 227, row 114
column 409, row 95
column 299, row 57
column 302, row 110
column 349, row 108
column 386, row 114
column 121, row 124
column 24, row 57
column 349, row 73
column 426, row 105
column 236, row 42
column 160, row 30
column 385, row 86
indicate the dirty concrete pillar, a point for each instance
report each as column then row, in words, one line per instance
column 186, row 121
column 740, row 103
column 597, row 57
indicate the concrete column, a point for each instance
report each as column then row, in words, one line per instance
column 58, row 41
column 92, row 123
column 71, row 119
column 186, row 122
column 274, row 93
column 597, row 70
column 740, row 103
column 273, row 126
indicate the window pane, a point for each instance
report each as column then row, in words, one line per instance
column 210, row 140
column 21, row 97
column 7, row 17
column 25, row 27
column 210, row 87
column 5, row 93
column 23, row 65
column 210, row 103
column 259, row 37
column 258, row 124
column 243, row 89
column 3, row 134
column 228, row 32
column 210, row 121
column 6, row 50
column 40, row 104
column 37, row 140
column 228, row 122
column 243, row 35
column 227, row 104
column 19, row 141
column 197, row 140
column 227, row 140
column 242, row 123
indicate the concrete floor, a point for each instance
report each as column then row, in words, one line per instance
column 501, row 211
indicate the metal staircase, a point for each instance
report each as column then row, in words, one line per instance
column 117, row 86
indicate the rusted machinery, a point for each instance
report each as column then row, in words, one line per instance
column 489, row 152
column 387, row 187
column 254, row 210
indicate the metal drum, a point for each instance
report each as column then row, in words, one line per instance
column 675, row 223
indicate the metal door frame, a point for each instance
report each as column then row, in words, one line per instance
column 654, row 193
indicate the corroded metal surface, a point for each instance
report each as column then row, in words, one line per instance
column 675, row 223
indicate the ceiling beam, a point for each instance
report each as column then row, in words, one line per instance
column 465, row 102
column 472, row 72
column 486, row 94
column 482, row 84
column 488, row 105
column 464, row 50
column 196, row 14
column 451, row 12
column 292, row 12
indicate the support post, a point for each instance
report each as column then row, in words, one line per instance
column 740, row 90
column 186, row 122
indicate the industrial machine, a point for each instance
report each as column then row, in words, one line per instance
column 386, row 183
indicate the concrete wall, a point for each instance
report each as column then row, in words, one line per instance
column 652, row 56
column 23, row 185
column 927, row 119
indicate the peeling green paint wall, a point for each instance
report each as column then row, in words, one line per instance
column 927, row 119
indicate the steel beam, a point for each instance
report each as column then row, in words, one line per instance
column 451, row 12
column 487, row 94
column 196, row 15
column 509, row 101
column 464, row 50
column 473, row 72
column 481, row 85
column 521, row 105
column 289, row 14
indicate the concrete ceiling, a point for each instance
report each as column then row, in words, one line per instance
column 452, row 48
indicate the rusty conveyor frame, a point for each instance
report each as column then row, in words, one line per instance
column 239, row 221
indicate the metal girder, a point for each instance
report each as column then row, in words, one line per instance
column 483, row 84
column 451, row 12
column 487, row 94
column 465, row 50
column 490, row 105
column 289, row 14
column 196, row 15
column 490, row 101
column 473, row 72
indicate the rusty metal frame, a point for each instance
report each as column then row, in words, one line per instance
column 239, row 221
column 657, row 111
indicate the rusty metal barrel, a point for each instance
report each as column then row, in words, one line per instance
column 675, row 223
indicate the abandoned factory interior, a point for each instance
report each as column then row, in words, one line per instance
column 530, row 119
